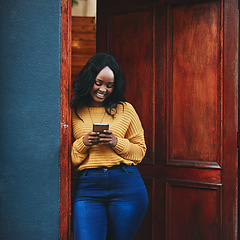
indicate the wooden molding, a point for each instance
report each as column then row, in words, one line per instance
column 65, row 122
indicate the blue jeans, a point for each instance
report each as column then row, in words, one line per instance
column 109, row 203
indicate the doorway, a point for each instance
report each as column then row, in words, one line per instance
column 83, row 47
column 183, row 184
column 83, row 34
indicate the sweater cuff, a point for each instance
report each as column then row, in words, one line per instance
column 121, row 146
column 80, row 146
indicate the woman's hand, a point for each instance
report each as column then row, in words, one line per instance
column 92, row 138
column 107, row 138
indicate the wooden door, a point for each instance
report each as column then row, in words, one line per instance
column 180, row 60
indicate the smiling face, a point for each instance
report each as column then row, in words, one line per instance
column 102, row 87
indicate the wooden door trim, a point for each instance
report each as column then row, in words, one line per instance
column 230, row 171
column 65, row 122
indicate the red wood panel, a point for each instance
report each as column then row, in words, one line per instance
column 195, row 83
column 230, row 173
column 137, row 26
column 180, row 58
column 193, row 210
column 160, row 52
column 65, row 121
column 83, row 42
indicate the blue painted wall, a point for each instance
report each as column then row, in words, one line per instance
column 29, row 119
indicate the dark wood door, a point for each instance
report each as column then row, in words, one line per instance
column 180, row 59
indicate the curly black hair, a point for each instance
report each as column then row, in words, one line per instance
column 86, row 78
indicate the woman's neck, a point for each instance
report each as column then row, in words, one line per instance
column 95, row 104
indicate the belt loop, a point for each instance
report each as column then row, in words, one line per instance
column 123, row 168
column 85, row 172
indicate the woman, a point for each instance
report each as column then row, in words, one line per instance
column 110, row 199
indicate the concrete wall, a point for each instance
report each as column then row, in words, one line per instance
column 29, row 119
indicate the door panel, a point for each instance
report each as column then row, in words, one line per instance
column 190, row 211
column 180, row 63
column 195, row 80
column 137, row 24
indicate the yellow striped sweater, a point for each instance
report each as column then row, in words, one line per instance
column 125, row 125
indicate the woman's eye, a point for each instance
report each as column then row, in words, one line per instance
column 98, row 83
column 110, row 86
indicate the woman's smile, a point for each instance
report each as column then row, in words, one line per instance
column 100, row 95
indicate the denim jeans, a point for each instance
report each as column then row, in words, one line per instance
column 109, row 203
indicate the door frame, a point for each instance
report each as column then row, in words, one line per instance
column 65, row 118
column 65, row 121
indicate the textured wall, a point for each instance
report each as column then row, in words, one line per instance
column 29, row 119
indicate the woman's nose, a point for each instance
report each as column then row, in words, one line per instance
column 103, row 89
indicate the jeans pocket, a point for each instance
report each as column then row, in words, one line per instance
column 131, row 170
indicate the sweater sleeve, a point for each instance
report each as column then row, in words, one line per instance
column 133, row 146
column 79, row 152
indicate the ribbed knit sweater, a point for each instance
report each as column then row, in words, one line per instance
column 125, row 125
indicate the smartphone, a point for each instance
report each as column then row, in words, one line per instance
column 99, row 127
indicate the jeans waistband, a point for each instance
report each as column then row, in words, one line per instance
column 121, row 166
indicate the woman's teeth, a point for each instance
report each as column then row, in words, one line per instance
column 100, row 95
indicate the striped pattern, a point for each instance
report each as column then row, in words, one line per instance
column 83, row 42
column 126, row 126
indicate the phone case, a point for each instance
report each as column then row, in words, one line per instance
column 98, row 127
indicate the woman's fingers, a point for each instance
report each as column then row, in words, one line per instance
column 106, row 138
column 107, row 131
column 93, row 133
column 105, row 134
column 92, row 138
